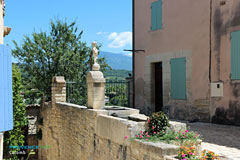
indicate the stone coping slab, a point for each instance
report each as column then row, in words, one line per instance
column 157, row 148
column 138, row 117
column 64, row 104
column 119, row 111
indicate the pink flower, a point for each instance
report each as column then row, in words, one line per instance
column 146, row 133
column 147, row 136
column 186, row 131
column 177, row 137
column 194, row 136
column 190, row 153
column 141, row 136
column 126, row 137
column 184, row 159
column 183, row 132
column 154, row 132
column 141, row 131
column 153, row 127
column 148, row 121
column 183, row 155
column 137, row 136
column 146, row 139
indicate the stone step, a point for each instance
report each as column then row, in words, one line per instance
column 202, row 110
column 203, row 102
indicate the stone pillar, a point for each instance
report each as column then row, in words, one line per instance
column 95, row 89
column 1, row 146
column 58, row 89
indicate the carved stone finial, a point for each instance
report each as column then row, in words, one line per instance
column 6, row 30
column 96, row 66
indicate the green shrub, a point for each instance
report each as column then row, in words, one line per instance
column 15, row 137
column 157, row 123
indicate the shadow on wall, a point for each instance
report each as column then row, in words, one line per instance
column 229, row 116
column 139, row 95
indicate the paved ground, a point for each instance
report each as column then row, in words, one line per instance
column 221, row 139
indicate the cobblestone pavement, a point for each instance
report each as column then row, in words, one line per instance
column 221, row 139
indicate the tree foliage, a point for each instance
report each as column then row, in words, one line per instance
column 57, row 53
column 15, row 137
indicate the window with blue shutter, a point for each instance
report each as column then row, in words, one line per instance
column 6, row 99
column 178, row 78
column 235, row 55
column 156, row 17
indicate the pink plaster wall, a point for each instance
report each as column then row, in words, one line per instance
column 186, row 26
column 226, row 18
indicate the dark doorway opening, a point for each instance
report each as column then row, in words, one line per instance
column 158, row 87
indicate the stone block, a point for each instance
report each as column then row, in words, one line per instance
column 123, row 112
column 155, row 149
column 177, row 126
column 58, row 79
column 138, row 117
column 96, row 89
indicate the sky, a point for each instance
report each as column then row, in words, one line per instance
column 108, row 22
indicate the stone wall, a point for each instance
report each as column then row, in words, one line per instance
column 32, row 112
column 76, row 132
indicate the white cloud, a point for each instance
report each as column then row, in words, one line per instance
column 112, row 35
column 100, row 33
column 129, row 55
column 120, row 40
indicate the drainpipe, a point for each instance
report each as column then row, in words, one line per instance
column 210, row 57
column 210, row 44
column 133, row 48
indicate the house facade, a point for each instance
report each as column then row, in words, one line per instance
column 190, row 67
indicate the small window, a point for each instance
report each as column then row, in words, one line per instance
column 156, row 18
column 235, row 55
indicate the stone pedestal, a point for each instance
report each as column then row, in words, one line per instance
column 58, row 89
column 96, row 89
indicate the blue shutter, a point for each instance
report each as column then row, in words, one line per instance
column 159, row 14
column 156, row 16
column 6, row 100
column 178, row 78
column 235, row 55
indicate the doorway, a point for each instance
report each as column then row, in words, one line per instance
column 158, row 86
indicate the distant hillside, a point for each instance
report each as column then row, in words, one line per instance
column 117, row 60
column 116, row 74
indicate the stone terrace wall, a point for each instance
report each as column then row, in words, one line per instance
column 75, row 132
